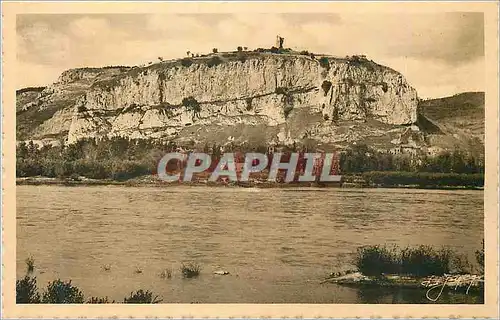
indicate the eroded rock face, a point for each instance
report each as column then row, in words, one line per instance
column 148, row 102
column 261, row 90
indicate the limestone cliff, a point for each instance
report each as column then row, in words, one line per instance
column 289, row 96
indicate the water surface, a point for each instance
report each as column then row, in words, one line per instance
column 277, row 244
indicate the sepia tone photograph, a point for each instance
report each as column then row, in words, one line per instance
column 251, row 157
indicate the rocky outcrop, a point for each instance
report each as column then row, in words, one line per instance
column 154, row 100
column 47, row 112
column 282, row 91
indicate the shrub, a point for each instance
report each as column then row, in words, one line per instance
column 324, row 63
column 62, row 292
column 138, row 270
column 385, row 87
column 26, row 290
column 304, row 53
column 280, row 90
column 186, row 62
column 28, row 167
column 239, row 48
column 166, row 274
column 425, row 261
column 214, row 61
column 30, row 265
column 375, row 260
column 241, row 57
column 326, row 85
column 423, row 179
column 249, row 103
column 91, row 169
column 287, row 110
column 460, row 264
column 357, row 59
column 191, row 103
column 81, row 109
column 49, row 168
column 190, row 270
column 214, row 50
column 420, row 261
column 141, row 296
column 63, row 170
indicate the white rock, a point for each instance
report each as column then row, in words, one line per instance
column 221, row 272
column 236, row 92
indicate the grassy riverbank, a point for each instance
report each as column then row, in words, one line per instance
column 424, row 180
column 134, row 162
column 421, row 180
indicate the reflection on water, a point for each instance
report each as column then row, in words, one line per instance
column 277, row 244
column 372, row 295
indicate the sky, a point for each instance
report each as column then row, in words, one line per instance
column 440, row 54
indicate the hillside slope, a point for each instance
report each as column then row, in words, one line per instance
column 463, row 112
column 460, row 118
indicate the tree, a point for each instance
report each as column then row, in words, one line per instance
column 245, row 48
column 32, row 149
column 458, row 163
column 160, row 58
column 240, row 48
column 214, row 50
column 188, row 53
column 22, row 150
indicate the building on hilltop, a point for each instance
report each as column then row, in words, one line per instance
column 279, row 42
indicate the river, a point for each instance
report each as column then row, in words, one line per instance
column 277, row 244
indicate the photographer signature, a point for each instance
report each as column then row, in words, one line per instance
column 435, row 283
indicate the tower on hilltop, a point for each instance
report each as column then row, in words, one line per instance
column 279, row 42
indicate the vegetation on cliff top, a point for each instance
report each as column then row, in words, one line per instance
column 30, row 89
column 242, row 54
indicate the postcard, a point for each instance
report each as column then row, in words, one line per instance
column 247, row 159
